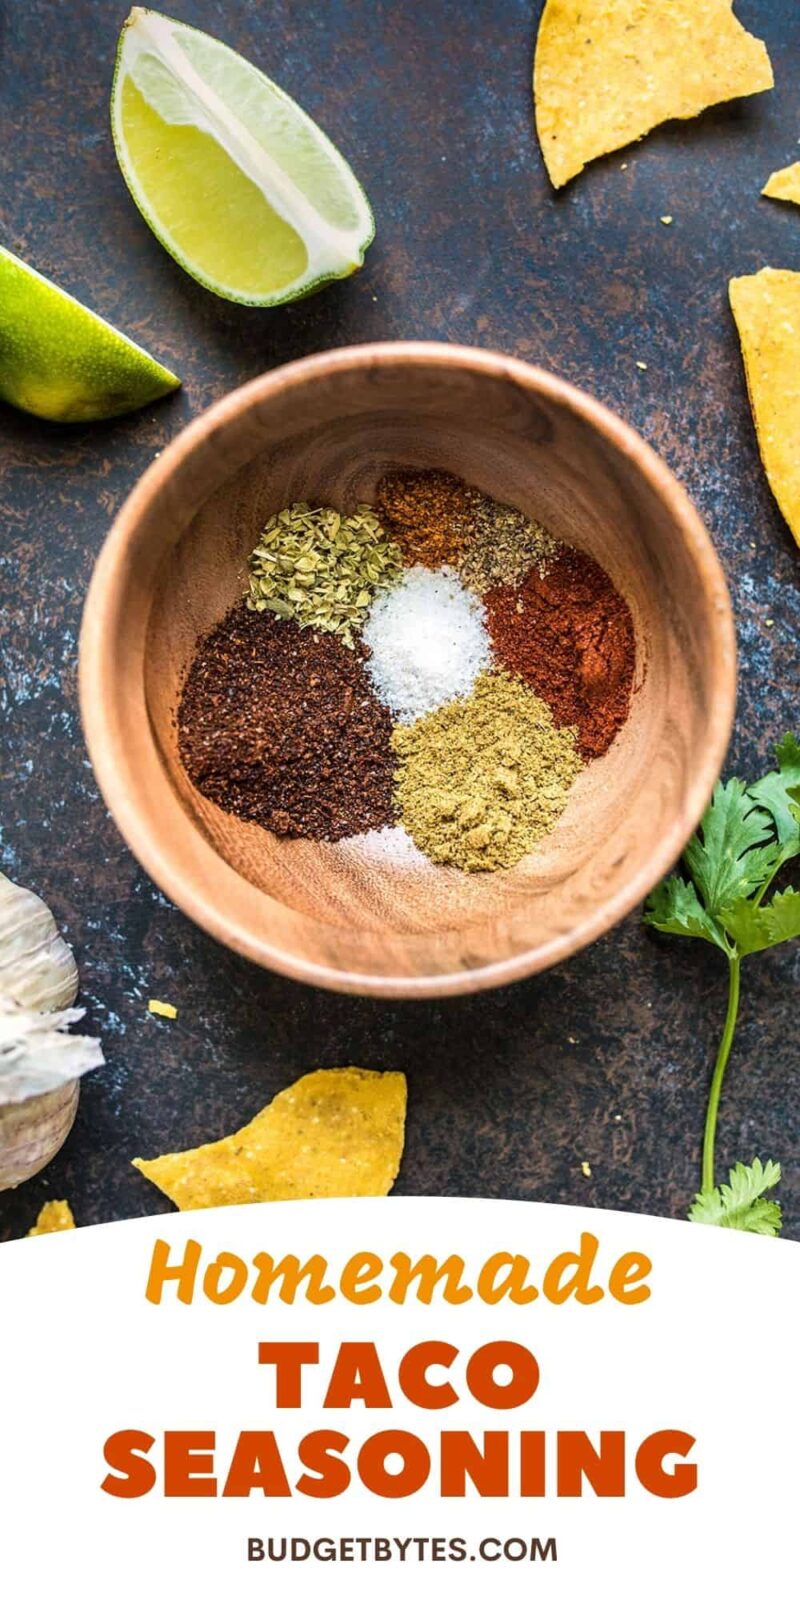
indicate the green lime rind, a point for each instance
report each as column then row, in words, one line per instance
column 62, row 362
column 304, row 286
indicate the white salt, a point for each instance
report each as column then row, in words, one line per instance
column 429, row 641
column 390, row 847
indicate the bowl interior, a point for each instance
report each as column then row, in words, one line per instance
column 345, row 915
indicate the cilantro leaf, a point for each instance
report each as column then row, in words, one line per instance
column 759, row 927
column 779, row 794
column 674, row 907
column 733, row 852
column 747, row 833
column 740, row 1202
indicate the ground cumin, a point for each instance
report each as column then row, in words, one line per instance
column 483, row 778
column 568, row 633
column 280, row 725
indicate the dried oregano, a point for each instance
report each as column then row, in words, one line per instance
column 321, row 568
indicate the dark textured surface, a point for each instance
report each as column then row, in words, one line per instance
column 606, row 1059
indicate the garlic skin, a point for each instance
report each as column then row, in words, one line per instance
column 37, row 967
column 37, row 1055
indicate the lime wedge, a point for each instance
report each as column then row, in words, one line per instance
column 61, row 361
column 241, row 187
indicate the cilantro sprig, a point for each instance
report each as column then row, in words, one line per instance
column 748, row 833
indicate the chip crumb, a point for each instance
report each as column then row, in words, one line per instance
column 162, row 1008
column 54, row 1217
column 666, row 221
column 769, row 622
column 642, row 365
column 586, row 1169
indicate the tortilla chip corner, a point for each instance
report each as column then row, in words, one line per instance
column 766, row 307
column 784, row 184
column 54, row 1217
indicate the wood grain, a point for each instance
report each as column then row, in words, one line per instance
column 326, row 428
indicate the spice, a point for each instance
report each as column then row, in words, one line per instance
column 427, row 640
column 440, row 520
column 280, row 726
column 383, row 847
column 320, row 568
column 483, row 778
column 428, row 513
column 503, row 545
column 569, row 635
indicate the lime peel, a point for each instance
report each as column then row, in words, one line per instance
column 63, row 362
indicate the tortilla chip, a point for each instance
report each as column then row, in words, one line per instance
column 54, row 1217
column 767, row 311
column 785, row 184
column 607, row 71
column 334, row 1133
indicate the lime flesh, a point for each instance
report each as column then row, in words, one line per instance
column 236, row 181
column 61, row 361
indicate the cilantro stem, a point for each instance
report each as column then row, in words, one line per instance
column 734, row 974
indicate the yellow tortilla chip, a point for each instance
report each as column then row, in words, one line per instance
column 767, row 311
column 784, row 185
column 54, row 1217
column 334, row 1133
column 607, row 71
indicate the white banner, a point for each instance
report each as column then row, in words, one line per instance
column 433, row 1393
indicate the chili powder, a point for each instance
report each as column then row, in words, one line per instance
column 280, row 725
column 568, row 633
column 428, row 513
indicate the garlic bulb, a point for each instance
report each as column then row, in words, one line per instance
column 33, row 1132
column 40, row 1062
column 37, row 967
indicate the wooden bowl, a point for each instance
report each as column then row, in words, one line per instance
column 326, row 428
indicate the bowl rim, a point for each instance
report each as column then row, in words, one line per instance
column 95, row 645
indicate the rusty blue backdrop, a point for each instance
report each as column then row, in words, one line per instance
column 606, row 1059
